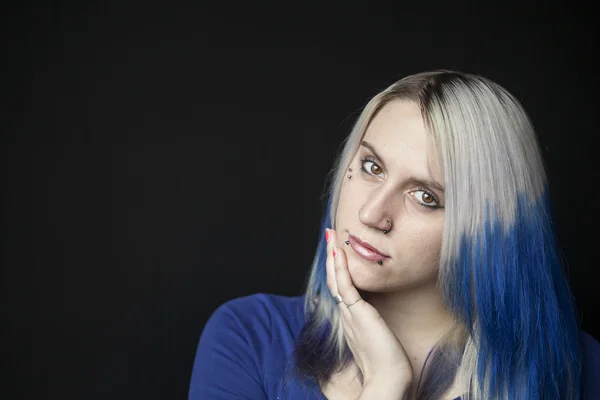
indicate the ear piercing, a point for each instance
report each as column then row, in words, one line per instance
column 349, row 170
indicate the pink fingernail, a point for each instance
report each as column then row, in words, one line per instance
column 327, row 235
column 334, row 254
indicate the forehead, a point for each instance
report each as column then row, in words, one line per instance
column 396, row 122
column 404, row 113
column 399, row 134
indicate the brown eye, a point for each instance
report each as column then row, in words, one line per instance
column 427, row 198
column 370, row 167
column 375, row 169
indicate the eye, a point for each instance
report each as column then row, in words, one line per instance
column 370, row 167
column 426, row 198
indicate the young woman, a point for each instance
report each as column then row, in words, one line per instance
column 438, row 277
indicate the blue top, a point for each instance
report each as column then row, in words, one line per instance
column 247, row 343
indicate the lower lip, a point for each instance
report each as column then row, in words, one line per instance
column 365, row 253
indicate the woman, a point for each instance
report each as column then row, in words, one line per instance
column 439, row 276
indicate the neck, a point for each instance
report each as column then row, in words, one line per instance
column 418, row 317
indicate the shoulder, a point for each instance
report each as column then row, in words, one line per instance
column 265, row 302
column 259, row 311
column 590, row 347
column 591, row 366
column 244, row 342
column 257, row 325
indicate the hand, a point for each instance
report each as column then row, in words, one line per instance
column 376, row 349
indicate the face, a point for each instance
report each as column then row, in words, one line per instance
column 395, row 176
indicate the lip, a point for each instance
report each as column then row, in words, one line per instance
column 365, row 250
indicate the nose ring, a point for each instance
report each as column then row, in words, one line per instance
column 385, row 231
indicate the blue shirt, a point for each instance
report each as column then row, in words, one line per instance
column 247, row 344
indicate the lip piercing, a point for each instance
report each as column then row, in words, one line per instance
column 378, row 262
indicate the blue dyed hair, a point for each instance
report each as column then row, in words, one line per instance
column 516, row 333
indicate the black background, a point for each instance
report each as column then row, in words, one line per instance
column 161, row 160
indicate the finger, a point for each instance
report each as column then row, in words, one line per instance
column 347, row 295
column 345, row 287
column 331, row 282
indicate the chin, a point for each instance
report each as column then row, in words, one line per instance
column 367, row 276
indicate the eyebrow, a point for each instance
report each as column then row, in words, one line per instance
column 421, row 181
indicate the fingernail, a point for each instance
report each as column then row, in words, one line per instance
column 334, row 254
column 327, row 235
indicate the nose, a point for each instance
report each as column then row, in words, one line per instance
column 377, row 211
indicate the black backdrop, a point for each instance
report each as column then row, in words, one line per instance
column 160, row 160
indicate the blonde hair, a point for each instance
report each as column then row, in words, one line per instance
column 499, row 263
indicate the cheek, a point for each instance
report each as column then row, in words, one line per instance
column 351, row 198
column 426, row 241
